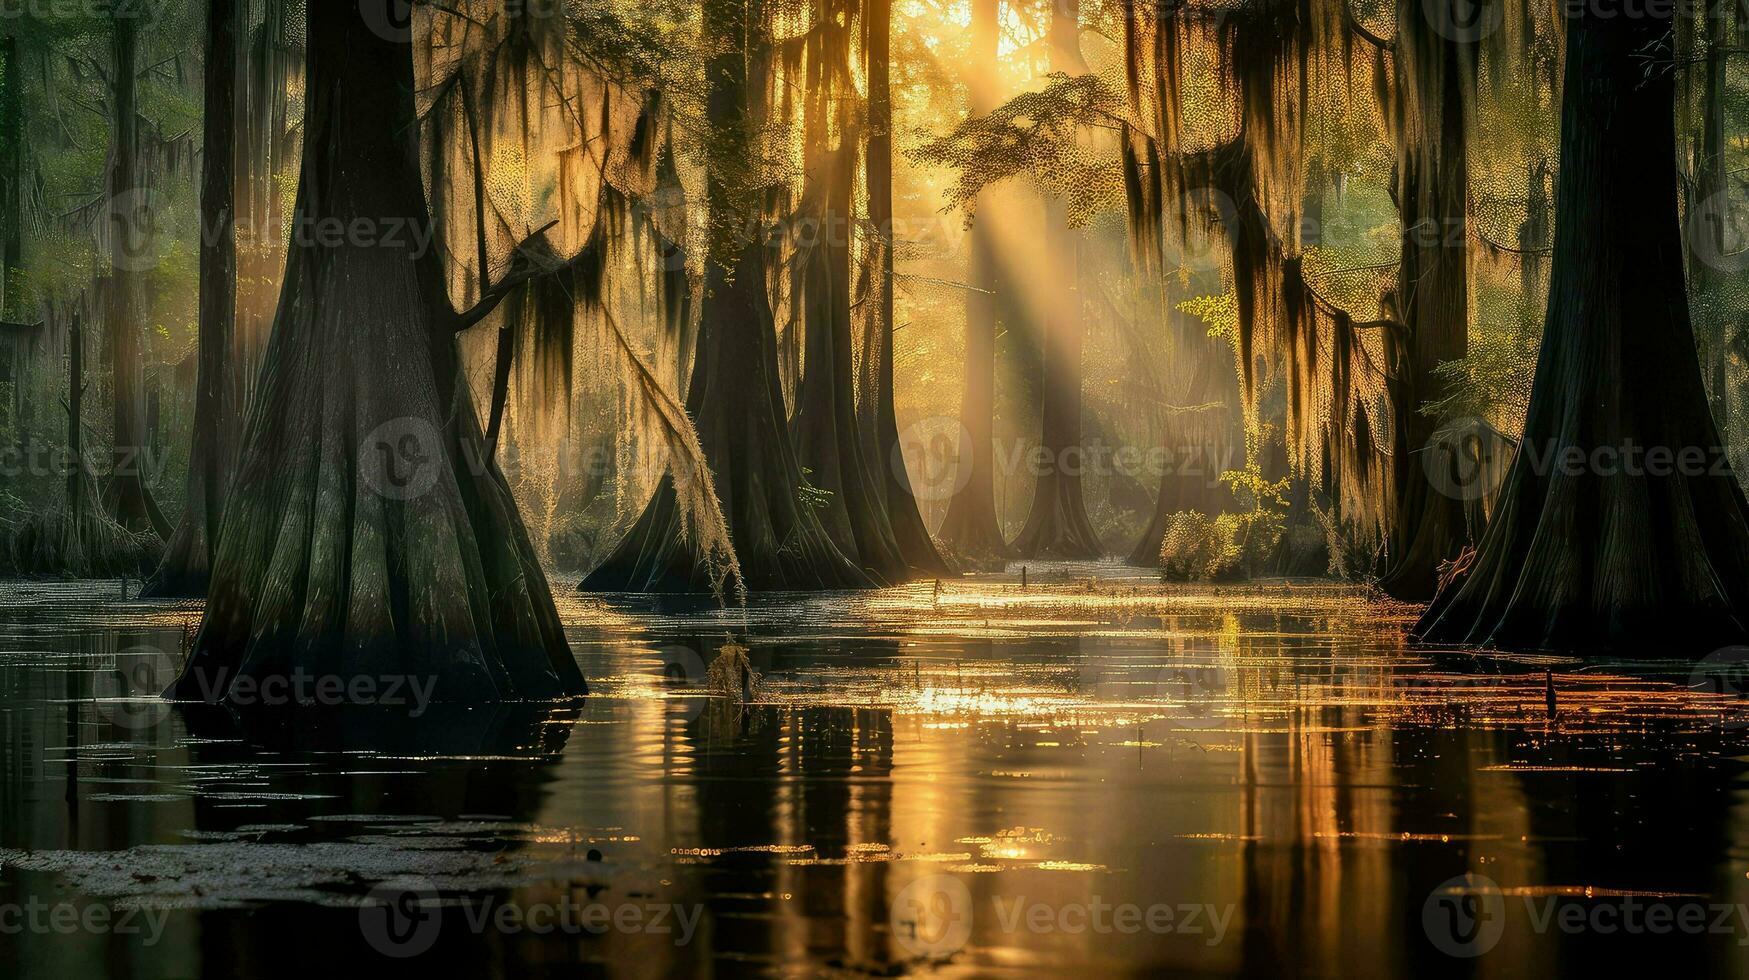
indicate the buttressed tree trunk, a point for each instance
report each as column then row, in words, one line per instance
column 1436, row 76
column 1057, row 525
column 188, row 555
column 367, row 534
column 1604, row 539
column 971, row 526
column 886, row 455
column 735, row 398
column 825, row 428
column 127, row 496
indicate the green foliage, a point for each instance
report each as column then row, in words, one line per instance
column 811, row 496
column 1351, row 546
column 1233, row 546
column 1041, row 135
column 1491, row 382
column 1220, row 311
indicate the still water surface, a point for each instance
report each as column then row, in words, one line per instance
column 1093, row 775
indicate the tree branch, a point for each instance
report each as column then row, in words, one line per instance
column 522, row 269
column 1361, row 32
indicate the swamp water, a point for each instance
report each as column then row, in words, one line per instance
column 1095, row 774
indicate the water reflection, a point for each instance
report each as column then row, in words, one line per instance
column 1266, row 772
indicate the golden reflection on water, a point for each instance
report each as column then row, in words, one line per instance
column 1152, row 743
column 1277, row 751
column 1137, row 653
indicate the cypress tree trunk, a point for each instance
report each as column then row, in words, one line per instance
column 1628, row 553
column 266, row 141
column 735, row 398
column 825, row 430
column 11, row 172
column 188, row 556
column 886, row 457
column 1057, row 525
column 1438, row 74
column 128, row 498
column 971, row 526
column 77, row 503
column 1707, row 209
column 367, row 533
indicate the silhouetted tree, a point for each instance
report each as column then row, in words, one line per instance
column 368, row 533
column 1590, row 551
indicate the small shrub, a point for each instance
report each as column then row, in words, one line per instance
column 1184, row 553
column 1231, row 547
